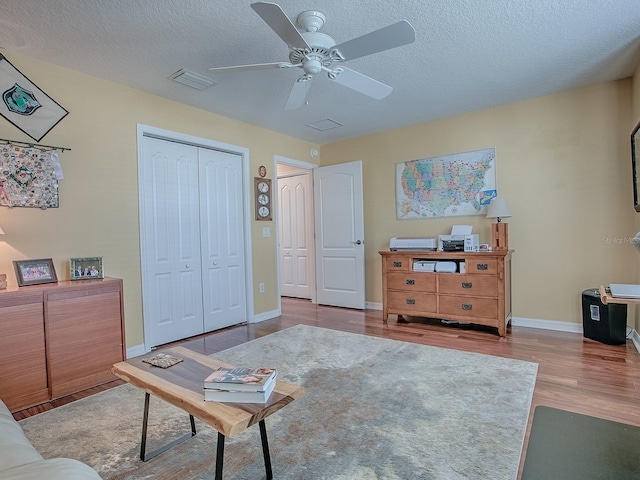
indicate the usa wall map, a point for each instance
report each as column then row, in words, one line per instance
column 446, row 186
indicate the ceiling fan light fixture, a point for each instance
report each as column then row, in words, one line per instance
column 192, row 79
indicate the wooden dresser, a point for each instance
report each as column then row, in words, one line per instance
column 481, row 295
column 58, row 339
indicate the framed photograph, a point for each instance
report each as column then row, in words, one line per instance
column 635, row 158
column 86, row 268
column 35, row 272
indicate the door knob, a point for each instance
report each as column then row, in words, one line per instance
column 187, row 266
column 358, row 242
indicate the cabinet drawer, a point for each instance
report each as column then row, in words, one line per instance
column 482, row 265
column 481, row 285
column 414, row 302
column 468, row 306
column 398, row 263
column 420, row 282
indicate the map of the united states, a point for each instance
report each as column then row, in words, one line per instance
column 450, row 185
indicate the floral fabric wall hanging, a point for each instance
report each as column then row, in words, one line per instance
column 28, row 177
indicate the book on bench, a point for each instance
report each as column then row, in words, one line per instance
column 240, row 378
column 235, row 396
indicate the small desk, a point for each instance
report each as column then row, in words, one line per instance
column 181, row 386
column 608, row 298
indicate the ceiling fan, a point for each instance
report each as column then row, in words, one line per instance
column 316, row 52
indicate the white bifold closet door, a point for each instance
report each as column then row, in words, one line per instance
column 192, row 240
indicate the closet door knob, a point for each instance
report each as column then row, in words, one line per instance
column 187, row 266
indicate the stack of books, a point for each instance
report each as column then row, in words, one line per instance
column 240, row 385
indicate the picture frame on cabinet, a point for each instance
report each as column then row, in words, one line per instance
column 88, row 268
column 35, row 272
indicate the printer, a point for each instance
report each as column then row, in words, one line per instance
column 413, row 243
column 459, row 243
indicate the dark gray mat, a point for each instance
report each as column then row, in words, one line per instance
column 566, row 445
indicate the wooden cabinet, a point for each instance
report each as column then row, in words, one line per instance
column 57, row 339
column 480, row 295
column 23, row 363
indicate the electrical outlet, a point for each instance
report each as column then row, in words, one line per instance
column 261, row 288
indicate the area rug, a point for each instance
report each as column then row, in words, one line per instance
column 565, row 445
column 373, row 408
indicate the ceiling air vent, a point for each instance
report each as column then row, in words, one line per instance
column 323, row 125
column 192, row 79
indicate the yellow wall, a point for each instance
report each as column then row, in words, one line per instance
column 98, row 214
column 563, row 164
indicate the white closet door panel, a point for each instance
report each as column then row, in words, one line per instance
column 286, row 204
column 163, row 306
column 234, row 276
column 171, row 250
column 190, row 312
column 301, row 194
column 222, row 231
column 186, row 181
column 287, row 287
column 212, row 297
column 161, row 195
column 302, row 263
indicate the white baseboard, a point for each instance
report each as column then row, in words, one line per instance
column 136, row 351
column 547, row 324
column 266, row 316
column 373, row 306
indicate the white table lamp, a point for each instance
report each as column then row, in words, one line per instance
column 499, row 209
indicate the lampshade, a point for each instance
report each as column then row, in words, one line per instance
column 498, row 208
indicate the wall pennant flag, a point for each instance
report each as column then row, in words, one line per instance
column 25, row 105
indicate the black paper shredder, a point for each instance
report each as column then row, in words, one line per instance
column 604, row 323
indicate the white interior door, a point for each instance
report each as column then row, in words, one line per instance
column 339, row 235
column 222, row 235
column 295, row 220
column 171, row 262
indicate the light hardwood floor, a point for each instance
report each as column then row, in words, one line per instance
column 574, row 373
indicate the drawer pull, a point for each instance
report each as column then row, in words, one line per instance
column 397, row 264
column 467, row 306
column 411, row 281
column 411, row 301
column 467, row 284
column 483, row 266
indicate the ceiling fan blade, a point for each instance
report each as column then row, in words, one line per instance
column 392, row 36
column 256, row 66
column 273, row 15
column 298, row 93
column 360, row 83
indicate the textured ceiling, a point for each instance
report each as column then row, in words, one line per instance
column 468, row 54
